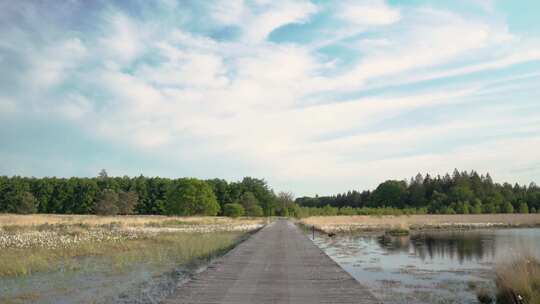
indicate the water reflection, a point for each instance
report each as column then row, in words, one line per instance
column 428, row 267
column 460, row 246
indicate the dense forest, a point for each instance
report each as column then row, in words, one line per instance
column 137, row 195
column 461, row 193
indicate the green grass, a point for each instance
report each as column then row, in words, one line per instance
column 173, row 248
column 398, row 232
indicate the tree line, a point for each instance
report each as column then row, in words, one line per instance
column 140, row 195
column 459, row 193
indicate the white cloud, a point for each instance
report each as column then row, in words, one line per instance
column 368, row 13
column 277, row 108
column 427, row 39
column 123, row 38
column 277, row 14
column 75, row 107
column 51, row 65
column 228, row 12
column 258, row 19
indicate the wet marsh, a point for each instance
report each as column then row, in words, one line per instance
column 108, row 263
column 429, row 266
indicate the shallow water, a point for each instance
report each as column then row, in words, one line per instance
column 428, row 267
column 95, row 282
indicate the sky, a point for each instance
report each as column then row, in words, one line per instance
column 316, row 97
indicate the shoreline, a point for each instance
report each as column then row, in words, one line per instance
column 344, row 224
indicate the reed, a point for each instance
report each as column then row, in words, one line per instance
column 518, row 281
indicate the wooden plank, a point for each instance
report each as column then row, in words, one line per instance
column 278, row 264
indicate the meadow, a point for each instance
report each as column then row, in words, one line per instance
column 36, row 243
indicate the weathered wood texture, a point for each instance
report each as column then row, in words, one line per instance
column 279, row 264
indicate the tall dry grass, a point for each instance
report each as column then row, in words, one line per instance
column 424, row 221
column 19, row 220
column 518, row 281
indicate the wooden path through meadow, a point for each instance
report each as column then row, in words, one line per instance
column 278, row 264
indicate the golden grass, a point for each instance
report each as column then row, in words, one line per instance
column 425, row 221
column 124, row 220
column 174, row 248
column 519, row 281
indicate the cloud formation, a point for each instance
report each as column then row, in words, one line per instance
column 229, row 88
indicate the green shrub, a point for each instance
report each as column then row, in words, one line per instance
column 233, row 210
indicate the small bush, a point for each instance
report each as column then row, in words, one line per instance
column 519, row 281
column 233, row 210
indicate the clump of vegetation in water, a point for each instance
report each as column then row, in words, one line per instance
column 518, row 282
column 398, row 232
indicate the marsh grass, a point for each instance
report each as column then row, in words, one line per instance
column 397, row 232
column 173, row 248
column 518, row 281
column 35, row 220
column 418, row 222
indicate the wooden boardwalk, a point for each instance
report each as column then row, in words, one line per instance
column 278, row 264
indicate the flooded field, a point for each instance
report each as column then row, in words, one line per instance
column 428, row 267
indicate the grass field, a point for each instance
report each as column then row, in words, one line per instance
column 428, row 221
column 37, row 243
column 124, row 220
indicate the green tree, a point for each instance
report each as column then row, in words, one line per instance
column 221, row 190
column 27, row 203
column 233, row 210
column 523, row 208
column 189, row 196
column 391, row 193
column 127, row 200
column 490, row 208
column 285, row 203
column 449, row 210
column 466, row 208
column 461, row 194
column 251, row 204
column 508, row 208
column 107, row 203
column 477, row 207
column 262, row 192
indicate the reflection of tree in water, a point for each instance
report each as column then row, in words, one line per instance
column 394, row 243
column 461, row 246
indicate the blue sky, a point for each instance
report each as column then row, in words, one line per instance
column 314, row 96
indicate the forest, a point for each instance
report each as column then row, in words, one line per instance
column 135, row 195
column 459, row 193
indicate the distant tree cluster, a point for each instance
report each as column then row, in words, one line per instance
column 107, row 195
column 461, row 193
